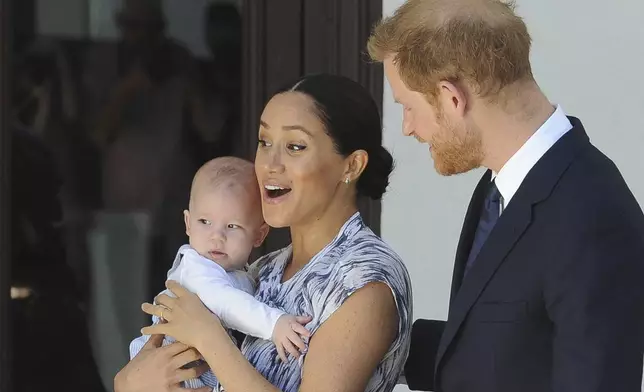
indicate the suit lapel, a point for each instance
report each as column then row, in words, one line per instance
column 510, row 227
column 512, row 224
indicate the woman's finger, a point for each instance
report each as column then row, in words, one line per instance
column 280, row 352
column 185, row 358
column 187, row 374
column 165, row 300
column 178, row 388
column 157, row 310
column 291, row 349
column 176, row 288
column 297, row 341
column 155, row 329
column 301, row 330
column 155, row 341
column 174, row 349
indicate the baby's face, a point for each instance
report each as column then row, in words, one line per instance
column 224, row 225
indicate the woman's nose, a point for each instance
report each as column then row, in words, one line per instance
column 273, row 161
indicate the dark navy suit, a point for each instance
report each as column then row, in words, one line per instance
column 555, row 298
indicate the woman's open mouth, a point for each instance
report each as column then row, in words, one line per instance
column 273, row 193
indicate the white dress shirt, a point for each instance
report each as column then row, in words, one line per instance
column 509, row 178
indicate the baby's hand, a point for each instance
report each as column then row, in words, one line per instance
column 288, row 335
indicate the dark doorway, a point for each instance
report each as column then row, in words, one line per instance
column 289, row 39
column 79, row 232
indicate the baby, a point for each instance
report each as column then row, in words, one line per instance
column 224, row 223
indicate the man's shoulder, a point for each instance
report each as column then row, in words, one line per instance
column 593, row 188
column 593, row 175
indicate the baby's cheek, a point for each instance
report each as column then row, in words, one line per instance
column 240, row 245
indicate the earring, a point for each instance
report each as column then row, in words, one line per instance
column 347, row 180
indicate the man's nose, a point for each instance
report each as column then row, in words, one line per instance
column 406, row 126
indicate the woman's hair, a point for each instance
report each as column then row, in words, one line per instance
column 350, row 117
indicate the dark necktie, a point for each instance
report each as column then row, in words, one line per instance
column 489, row 216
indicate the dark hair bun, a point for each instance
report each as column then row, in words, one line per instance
column 351, row 118
column 375, row 178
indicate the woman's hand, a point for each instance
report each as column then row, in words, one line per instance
column 158, row 369
column 188, row 319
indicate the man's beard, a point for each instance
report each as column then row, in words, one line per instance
column 454, row 150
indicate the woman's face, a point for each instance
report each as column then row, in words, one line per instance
column 297, row 166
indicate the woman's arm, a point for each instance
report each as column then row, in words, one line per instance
column 343, row 353
column 346, row 349
column 190, row 322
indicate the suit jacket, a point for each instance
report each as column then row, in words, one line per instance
column 555, row 299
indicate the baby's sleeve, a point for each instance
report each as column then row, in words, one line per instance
column 237, row 309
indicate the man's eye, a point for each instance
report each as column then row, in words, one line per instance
column 263, row 143
column 296, row 147
column 204, row 221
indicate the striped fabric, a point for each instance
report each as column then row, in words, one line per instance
column 354, row 258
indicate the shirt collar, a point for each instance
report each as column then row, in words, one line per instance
column 510, row 177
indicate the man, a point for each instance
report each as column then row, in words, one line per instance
column 547, row 291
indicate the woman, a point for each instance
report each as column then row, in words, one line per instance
column 319, row 151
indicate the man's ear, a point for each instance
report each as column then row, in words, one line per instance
column 186, row 220
column 262, row 232
column 453, row 97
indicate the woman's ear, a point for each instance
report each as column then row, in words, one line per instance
column 186, row 220
column 356, row 163
column 261, row 235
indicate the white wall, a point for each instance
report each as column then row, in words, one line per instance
column 586, row 56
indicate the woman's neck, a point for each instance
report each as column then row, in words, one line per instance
column 310, row 238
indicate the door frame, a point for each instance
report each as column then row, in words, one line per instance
column 5, row 194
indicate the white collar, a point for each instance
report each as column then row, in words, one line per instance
column 512, row 174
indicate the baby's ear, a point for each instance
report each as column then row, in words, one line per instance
column 262, row 232
column 186, row 220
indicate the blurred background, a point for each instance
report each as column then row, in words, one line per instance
column 108, row 109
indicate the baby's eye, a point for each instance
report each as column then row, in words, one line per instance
column 204, row 221
column 233, row 226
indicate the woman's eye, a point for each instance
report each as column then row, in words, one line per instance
column 263, row 143
column 204, row 221
column 296, row 147
column 233, row 226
